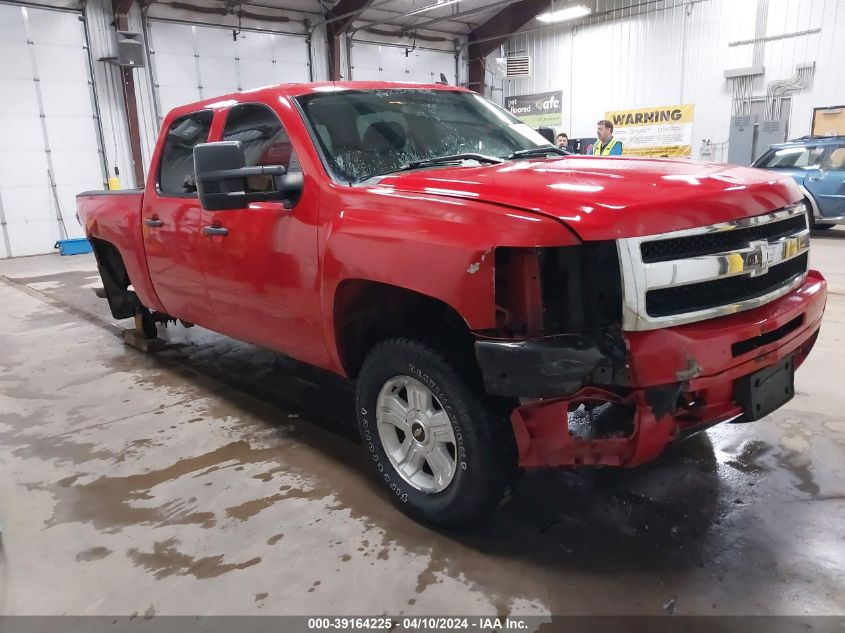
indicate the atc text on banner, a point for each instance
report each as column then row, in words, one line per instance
column 537, row 110
column 659, row 131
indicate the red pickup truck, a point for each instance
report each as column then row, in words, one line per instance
column 500, row 305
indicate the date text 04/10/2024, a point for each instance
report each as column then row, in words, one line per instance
column 420, row 623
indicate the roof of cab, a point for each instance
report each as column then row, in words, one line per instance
column 299, row 89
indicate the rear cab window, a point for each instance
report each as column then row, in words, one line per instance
column 176, row 169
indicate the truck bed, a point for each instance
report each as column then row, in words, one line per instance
column 114, row 217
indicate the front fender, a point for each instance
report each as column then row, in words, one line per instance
column 443, row 249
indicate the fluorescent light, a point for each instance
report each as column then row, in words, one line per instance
column 431, row 7
column 569, row 13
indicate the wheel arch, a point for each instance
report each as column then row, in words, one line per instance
column 814, row 207
column 123, row 302
column 367, row 312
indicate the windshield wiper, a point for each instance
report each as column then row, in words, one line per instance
column 438, row 160
column 538, row 151
column 453, row 158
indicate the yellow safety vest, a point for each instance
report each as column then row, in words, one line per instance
column 598, row 150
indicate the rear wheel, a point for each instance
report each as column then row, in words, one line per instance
column 444, row 453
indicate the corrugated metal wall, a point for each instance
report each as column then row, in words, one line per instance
column 673, row 51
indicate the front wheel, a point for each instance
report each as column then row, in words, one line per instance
column 811, row 219
column 442, row 451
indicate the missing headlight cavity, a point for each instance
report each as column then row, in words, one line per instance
column 581, row 287
column 558, row 290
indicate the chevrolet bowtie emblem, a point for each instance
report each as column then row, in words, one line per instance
column 762, row 255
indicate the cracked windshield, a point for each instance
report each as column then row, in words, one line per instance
column 367, row 134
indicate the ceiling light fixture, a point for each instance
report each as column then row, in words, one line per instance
column 432, row 7
column 563, row 15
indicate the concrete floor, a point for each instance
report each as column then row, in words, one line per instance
column 218, row 478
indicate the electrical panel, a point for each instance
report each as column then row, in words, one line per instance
column 768, row 133
column 741, row 140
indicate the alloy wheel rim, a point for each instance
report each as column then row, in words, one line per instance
column 416, row 434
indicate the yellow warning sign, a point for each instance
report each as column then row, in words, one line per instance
column 654, row 132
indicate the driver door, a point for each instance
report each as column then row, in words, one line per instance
column 261, row 263
column 827, row 184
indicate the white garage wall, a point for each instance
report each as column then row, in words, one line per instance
column 174, row 75
column 47, row 117
column 388, row 62
column 679, row 55
column 188, row 59
column 193, row 62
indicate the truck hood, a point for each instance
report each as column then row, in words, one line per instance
column 603, row 198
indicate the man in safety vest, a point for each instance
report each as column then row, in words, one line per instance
column 606, row 145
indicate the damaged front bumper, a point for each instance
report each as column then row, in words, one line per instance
column 638, row 391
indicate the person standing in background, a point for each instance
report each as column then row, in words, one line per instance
column 606, row 145
column 563, row 141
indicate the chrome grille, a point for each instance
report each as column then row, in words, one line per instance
column 704, row 243
column 711, row 271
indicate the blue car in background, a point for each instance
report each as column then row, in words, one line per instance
column 817, row 163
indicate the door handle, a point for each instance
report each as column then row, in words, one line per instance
column 215, row 230
column 815, row 178
column 154, row 222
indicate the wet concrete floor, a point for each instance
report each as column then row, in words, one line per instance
column 219, row 478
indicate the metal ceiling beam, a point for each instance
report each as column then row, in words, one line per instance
column 344, row 13
column 396, row 21
column 460, row 14
column 120, row 10
column 121, row 7
column 338, row 21
column 485, row 38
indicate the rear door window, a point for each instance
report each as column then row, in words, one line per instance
column 176, row 171
column 835, row 159
column 263, row 139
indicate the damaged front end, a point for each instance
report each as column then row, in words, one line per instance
column 591, row 393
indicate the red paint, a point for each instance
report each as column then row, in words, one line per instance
column 541, row 428
column 175, row 257
column 658, row 355
column 117, row 219
column 273, row 280
column 603, row 198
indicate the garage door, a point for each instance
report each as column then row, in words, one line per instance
column 192, row 62
column 48, row 127
column 377, row 62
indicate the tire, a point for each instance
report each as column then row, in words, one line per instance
column 483, row 449
column 811, row 219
